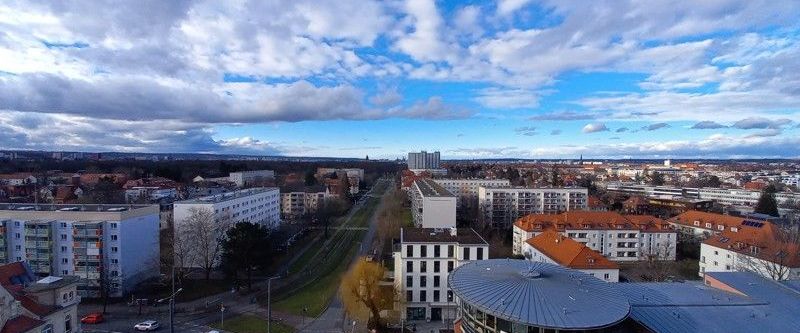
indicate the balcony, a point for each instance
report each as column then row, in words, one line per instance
column 37, row 232
column 38, row 244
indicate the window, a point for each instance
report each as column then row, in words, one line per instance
column 449, row 266
column 47, row 328
column 436, row 266
column 449, row 295
column 63, row 249
column 63, row 237
column 450, row 252
column 114, row 273
column 480, row 253
column 423, row 251
column 409, row 251
column 114, row 249
column 436, row 282
column 114, row 237
column 68, row 324
column 409, row 281
column 466, row 253
column 606, row 276
column 422, row 295
column 423, row 266
column 703, row 259
column 63, row 224
column 113, row 225
column 436, row 296
column 114, row 261
column 409, row 296
column 65, row 272
column 423, row 281
column 436, row 251
column 64, row 260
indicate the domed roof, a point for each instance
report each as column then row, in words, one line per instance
column 539, row 294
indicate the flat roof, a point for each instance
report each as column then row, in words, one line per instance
column 539, row 294
column 441, row 235
column 222, row 197
column 430, row 188
column 108, row 208
column 51, row 282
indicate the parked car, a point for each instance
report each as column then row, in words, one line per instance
column 92, row 318
column 147, row 325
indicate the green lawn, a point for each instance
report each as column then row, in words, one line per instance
column 252, row 324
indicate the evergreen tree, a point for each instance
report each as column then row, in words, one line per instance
column 246, row 249
column 767, row 204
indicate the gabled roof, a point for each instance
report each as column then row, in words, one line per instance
column 768, row 241
column 15, row 274
column 569, row 253
column 688, row 218
column 21, row 324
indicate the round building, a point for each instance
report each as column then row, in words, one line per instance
column 505, row 295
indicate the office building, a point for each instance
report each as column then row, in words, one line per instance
column 252, row 177
column 260, row 205
column 501, row 206
column 554, row 248
column 617, row 237
column 29, row 304
column 511, row 296
column 423, row 160
column 431, row 205
column 422, row 263
column 118, row 242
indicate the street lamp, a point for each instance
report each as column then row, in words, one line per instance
column 171, row 299
column 269, row 300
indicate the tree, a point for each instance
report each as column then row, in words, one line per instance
column 204, row 235
column 310, row 179
column 772, row 256
column 656, row 179
column 767, row 203
column 329, row 209
column 361, row 290
column 246, row 248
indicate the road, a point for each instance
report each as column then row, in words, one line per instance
column 195, row 316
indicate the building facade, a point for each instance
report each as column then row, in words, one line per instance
column 112, row 243
column 554, row 248
column 424, row 160
column 432, row 206
column 260, row 205
column 424, row 259
column 469, row 188
column 297, row 204
column 244, row 178
column 501, row 206
column 32, row 305
column 615, row 236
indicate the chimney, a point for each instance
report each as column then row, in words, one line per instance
column 453, row 231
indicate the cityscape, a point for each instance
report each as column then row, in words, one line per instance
column 399, row 166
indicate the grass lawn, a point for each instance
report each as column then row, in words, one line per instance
column 252, row 324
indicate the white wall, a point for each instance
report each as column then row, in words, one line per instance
column 439, row 212
column 606, row 274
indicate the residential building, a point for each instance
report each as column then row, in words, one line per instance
column 296, row 204
column 30, row 304
column 354, row 176
column 432, row 206
column 424, row 259
column 260, row 205
column 252, row 177
column 705, row 224
column 469, row 188
column 554, row 248
column 760, row 247
column 502, row 295
column 724, row 196
column 501, row 206
column 424, row 160
column 118, row 242
column 615, row 236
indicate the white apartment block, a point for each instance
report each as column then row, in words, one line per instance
column 431, row 205
column 617, row 237
column 725, row 196
column 424, row 160
column 501, row 206
column 80, row 240
column 260, row 205
column 469, row 188
column 424, row 260
column 740, row 257
column 244, row 178
column 298, row 203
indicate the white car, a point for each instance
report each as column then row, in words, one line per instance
column 147, row 325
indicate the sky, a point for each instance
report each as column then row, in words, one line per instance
column 472, row 79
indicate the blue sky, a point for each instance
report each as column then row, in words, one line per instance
column 511, row 78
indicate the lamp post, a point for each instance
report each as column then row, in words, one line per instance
column 269, row 301
column 171, row 299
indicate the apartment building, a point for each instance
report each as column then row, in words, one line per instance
column 704, row 224
column 615, row 236
column 725, row 196
column 469, row 188
column 501, row 206
column 354, row 176
column 117, row 242
column 432, row 206
column 554, row 248
column 260, row 205
column 244, row 178
column 295, row 204
column 424, row 259
column 754, row 246
column 424, row 160
column 37, row 305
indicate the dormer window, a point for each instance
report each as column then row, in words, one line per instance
column 734, row 229
column 697, row 223
column 721, row 227
column 708, row 225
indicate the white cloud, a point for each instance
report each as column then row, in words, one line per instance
column 594, row 128
column 498, row 98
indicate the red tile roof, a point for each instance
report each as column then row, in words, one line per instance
column 21, row 324
column 690, row 217
column 591, row 220
column 8, row 271
column 569, row 253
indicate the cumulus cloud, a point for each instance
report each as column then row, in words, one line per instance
column 761, row 123
column 708, row 124
column 594, row 127
column 497, row 98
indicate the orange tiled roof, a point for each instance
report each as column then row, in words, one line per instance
column 766, row 239
column 21, row 324
column 591, row 220
column 569, row 253
column 688, row 218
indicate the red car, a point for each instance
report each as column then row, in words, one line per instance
column 92, row 318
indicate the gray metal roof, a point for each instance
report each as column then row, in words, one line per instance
column 539, row 294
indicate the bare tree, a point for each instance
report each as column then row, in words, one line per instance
column 657, row 264
column 771, row 258
column 203, row 234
